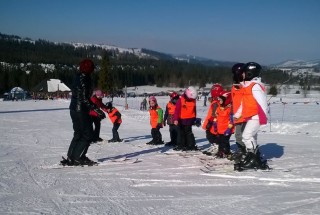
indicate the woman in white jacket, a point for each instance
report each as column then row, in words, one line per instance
column 253, row 111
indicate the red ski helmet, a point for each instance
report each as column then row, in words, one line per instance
column 174, row 95
column 86, row 66
column 216, row 89
column 226, row 98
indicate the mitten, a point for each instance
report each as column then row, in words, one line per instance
column 100, row 113
column 197, row 122
column 215, row 126
column 228, row 132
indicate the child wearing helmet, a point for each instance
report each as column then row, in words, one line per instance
column 96, row 99
column 168, row 119
column 156, row 120
column 225, row 126
column 253, row 112
column 237, row 93
column 210, row 122
column 115, row 118
column 184, row 117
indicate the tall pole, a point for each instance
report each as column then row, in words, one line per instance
column 125, row 98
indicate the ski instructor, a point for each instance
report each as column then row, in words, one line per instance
column 80, row 107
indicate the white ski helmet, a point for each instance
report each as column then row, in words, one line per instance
column 191, row 92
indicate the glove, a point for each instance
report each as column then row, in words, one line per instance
column 100, row 113
column 159, row 126
column 215, row 126
column 228, row 132
column 164, row 123
column 197, row 122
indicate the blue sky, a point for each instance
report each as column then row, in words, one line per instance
column 265, row 31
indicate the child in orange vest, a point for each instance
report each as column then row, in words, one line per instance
column 115, row 118
column 156, row 120
column 168, row 119
column 253, row 111
column 184, row 117
column 237, row 94
column 224, row 124
column 210, row 123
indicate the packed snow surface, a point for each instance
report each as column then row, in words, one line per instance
column 35, row 134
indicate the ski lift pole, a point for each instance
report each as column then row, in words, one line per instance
column 125, row 98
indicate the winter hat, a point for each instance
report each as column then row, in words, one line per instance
column 191, row 92
column 86, row 66
column 98, row 93
column 152, row 98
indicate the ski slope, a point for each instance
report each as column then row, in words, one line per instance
column 35, row 134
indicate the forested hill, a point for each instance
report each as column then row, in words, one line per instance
column 26, row 62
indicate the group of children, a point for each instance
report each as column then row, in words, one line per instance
column 241, row 111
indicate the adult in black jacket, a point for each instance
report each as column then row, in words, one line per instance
column 80, row 107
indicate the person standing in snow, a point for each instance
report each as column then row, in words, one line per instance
column 225, row 126
column 96, row 99
column 156, row 121
column 80, row 107
column 115, row 118
column 237, row 93
column 253, row 111
column 184, row 117
column 210, row 122
column 168, row 119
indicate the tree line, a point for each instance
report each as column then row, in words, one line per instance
column 21, row 65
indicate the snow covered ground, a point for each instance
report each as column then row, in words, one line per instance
column 35, row 134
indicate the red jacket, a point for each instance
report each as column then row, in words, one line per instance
column 99, row 104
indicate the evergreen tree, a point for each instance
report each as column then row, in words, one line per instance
column 105, row 78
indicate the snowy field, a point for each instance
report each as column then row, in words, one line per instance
column 35, row 134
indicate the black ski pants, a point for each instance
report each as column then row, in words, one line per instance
column 186, row 138
column 224, row 143
column 174, row 131
column 115, row 134
column 156, row 135
column 97, row 126
column 82, row 136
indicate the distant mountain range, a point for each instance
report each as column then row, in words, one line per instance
column 146, row 53
column 297, row 64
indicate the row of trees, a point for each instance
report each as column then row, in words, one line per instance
column 21, row 61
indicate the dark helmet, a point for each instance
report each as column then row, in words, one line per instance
column 236, row 70
column 109, row 105
column 251, row 70
column 86, row 66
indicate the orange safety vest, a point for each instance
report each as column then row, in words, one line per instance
column 171, row 109
column 188, row 108
column 113, row 117
column 209, row 115
column 237, row 95
column 249, row 104
column 154, row 117
column 223, row 119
